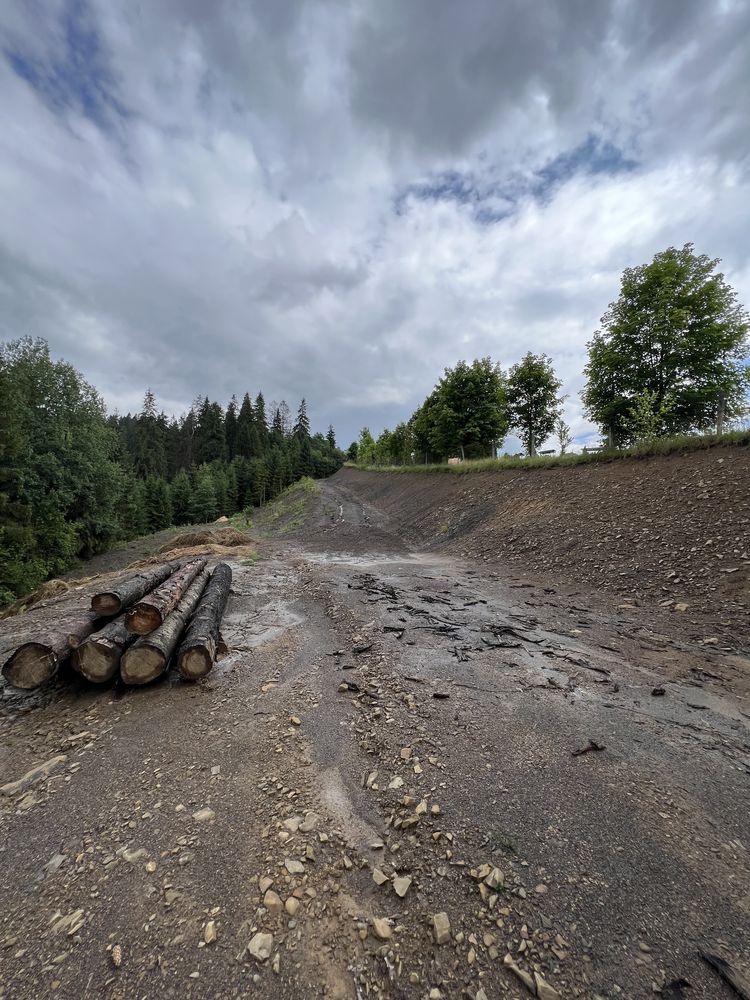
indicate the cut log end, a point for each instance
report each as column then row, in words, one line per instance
column 195, row 663
column 106, row 604
column 97, row 662
column 30, row 666
column 143, row 619
column 141, row 665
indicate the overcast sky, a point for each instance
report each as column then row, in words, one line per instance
column 338, row 199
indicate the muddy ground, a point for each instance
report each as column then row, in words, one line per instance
column 395, row 734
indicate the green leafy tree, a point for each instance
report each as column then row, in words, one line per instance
column 563, row 435
column 468, row 412
column 352, row 452
column 677, row 333
column 533, row 401
column 60, row 481
column 366, row 447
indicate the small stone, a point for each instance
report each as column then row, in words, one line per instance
column 421, row 808
column 523, row 976
column 495, row 879
column 116, row 955
column 441, row 927
column 261, row 946
column 203, row 815
column 401, row 885
column 379, row 877
column 382, row 929
column 54, row 863
column 543, row 989
column 272, row 902
column 541, row 889
column 131, row 855
column 396, row 782
column 309, row 823
column 209, row 932
column 294, row 867
column 295, row 721
column 265, row 882
column 292, row 906
column 405, row 753
column 151, row 867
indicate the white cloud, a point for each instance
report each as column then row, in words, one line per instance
column 209, row 204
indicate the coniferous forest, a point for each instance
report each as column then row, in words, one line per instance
column 74, row 480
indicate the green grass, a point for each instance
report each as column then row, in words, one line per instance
column 661, row 446
column 290, row 506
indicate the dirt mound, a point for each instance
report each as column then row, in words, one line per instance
column 213, row 537
column 668, row 532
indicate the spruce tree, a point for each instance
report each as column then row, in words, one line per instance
column 331, row 437
column 302, row 424
column 204, row 507
column 181, row 497
column 230, row 428
column 157, row 504
column 261, row 423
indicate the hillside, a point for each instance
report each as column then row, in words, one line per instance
column 661, row 532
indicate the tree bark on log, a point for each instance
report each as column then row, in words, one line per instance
column 98, row 658
column 152, row 611
column 197, row 652
column 149, row 656
column 34, row 663
column 113, row 602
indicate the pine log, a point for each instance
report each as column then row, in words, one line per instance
column 113, row 602
column 98, row 658
column 152, row 611
column 36, row 662
column 149, row 656
column 197, row 652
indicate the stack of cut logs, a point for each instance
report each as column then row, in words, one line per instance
column 135, row 629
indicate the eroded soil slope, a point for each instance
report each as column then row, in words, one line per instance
column 659, row 532
column 413, row 776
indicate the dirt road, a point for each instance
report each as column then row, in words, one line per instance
column 400, row 749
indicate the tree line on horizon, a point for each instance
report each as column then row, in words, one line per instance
column 669, row 358
column 74, row 480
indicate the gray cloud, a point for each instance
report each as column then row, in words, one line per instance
column 338, row 199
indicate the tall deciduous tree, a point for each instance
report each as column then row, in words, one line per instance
column 677, row 334
column 533, row 401
column 469, row 410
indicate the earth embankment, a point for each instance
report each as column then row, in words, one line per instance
column 668, row 532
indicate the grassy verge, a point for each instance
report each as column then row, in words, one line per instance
column 287, row 511
column 661, row 446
